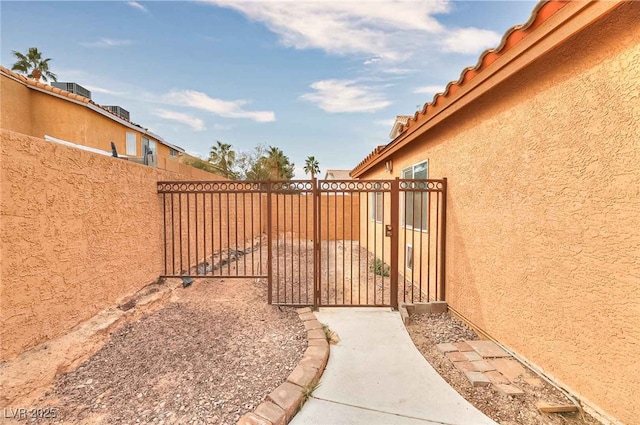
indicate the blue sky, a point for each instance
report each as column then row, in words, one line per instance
column 317, row 78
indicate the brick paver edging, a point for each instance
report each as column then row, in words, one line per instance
column 283, row 402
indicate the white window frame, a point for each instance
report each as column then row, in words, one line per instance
column 408, row 259
column 153, row 146
column 131, row 144
column 373, row 213
column 425, row 193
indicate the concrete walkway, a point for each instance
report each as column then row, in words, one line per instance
column 375, row 375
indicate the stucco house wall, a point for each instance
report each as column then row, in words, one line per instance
column 419, row 273
column 43, row 110
column 543, row 220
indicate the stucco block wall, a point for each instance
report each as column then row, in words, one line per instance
column 198, row 225
column 78, row 231
column 171, row 164
column 543, row 221
column 293, row 216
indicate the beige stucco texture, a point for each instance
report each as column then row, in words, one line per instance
column 543, row 219
column 77, row 230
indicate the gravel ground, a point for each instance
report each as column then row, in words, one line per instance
column 346, row 275
column 427, row 330
column 207, row 358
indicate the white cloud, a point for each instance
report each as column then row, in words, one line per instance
column 386, row 123
column 223, row 108
column 398, row 71
column 106, row 43
column 70, row 74
column 430, row 90
column 470, row 40
column 372, row 60
column 195, row 123
column 345, row 96
column 376, row 28
column 102, row 90
column 378, row 31
column 137, row 5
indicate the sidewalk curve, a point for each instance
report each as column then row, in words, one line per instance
column 376, row 375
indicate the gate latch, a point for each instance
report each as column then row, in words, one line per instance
column 388, row 232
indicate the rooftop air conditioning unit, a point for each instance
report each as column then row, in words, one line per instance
column 119, row 111
column 72, row 88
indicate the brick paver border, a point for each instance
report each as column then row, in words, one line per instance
column 285, row 401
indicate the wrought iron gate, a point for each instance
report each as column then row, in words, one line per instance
column 322, row 243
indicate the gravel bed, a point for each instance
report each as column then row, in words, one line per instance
column 427, row 330
column 207, row 358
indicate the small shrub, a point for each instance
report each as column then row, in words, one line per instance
column 307, row 392
column 378, row 267
column 329, row 334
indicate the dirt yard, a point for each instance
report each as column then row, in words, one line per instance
column 207, row 358
column 349, row 274
column 427, row 330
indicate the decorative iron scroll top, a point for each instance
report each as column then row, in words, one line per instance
column 421, row 185
column 355, row 186
column 292, row 186
column 197, row 187
column 298, row 186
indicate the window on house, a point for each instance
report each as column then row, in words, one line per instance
column 150, row 144
column 415, row 203
column 409, row 257
column 132, row 144
column 173, row 153
column 377, row 205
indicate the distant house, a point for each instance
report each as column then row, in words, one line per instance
column 540, row 145
column 401, row 121
column 65, row 112
column 337, row 175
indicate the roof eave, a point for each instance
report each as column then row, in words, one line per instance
column 528, row 48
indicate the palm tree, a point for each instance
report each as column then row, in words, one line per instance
column 280, row 164
column 33, row 65
column 222, row 157
column 311, row 166
column 275, row 157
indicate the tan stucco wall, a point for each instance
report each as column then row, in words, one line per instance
column 543, row 230
column 15, row 106
column 421, row 283
column 171, row 164
column 77, row 230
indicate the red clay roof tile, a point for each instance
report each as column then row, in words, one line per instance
column 514, row 35
column 541, row 12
